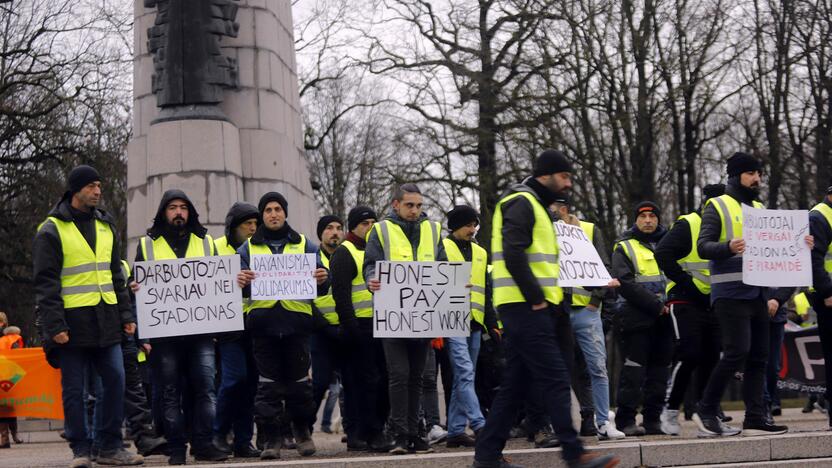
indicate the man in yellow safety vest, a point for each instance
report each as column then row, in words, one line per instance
column 820, row 226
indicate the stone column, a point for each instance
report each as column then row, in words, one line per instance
column 219, row 162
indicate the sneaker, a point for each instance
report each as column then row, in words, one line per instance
column 754, row 428
column 670, row 422
column 652, row 428
column 728, row 431
column 354, row 444
column 608, row 431
column 546, row 438
column 221, row 443
column 210, row 453
column 305, row 444
column 501, row 463
column 81, row 462
column 631, row 430
column 380, row 443
column 588, row 428
column 419, row 445
column 709, row 426
column 461, row 440
column 437, row 434
column 399, row 447
column 148, row 445
column 177, row 457
column 119, row 457
column 808, row 407
column 722, row 416
column 776, row 410
column 271, row 449
column 594, row 460
column 247, row 451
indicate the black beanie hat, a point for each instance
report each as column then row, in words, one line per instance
column 551, row 162
column 712, row 191
column 742, row 162
column 460, row 216
column 648, row 206
column 80, row 176
column 270, row 197
column 829, row 190
column 324, row 222
column 358, row 214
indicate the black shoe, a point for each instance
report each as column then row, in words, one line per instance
column 177, row 457
column 380, row 443
column 630, row 429
column 221, row 443
column 652, row 428
column 546, row 438
column 776, row 411
column 209, row 453
column 149, row 445
column 418, row 445
column 289, row 443
column 709, row 426
column 723, row 417
column 461, row 440
column 809, row 406
column 501, row 463
column 271, row 448
column 354, row 444
column 588, row 428
column 688, row 414
column 247, row 451
column 594, row 460
column 399, row 446
column 753, row 428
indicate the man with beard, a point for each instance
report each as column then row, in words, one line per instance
column 741, row 309
column 238, row 385
column 83, row 307
column 177, row 233
column 280, row 335
column 526, row 294
column 820, row 226
column 644, row 328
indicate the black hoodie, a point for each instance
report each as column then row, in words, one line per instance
column 642, row 307
column 90, row 327
column 176, row 238
column 239, row 212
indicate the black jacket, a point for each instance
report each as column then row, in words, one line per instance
column 641, row 307
column 374, row 252
column 88, row 327
column 343, row 270
column 465, row 248
column 675, row 245
column 239, row 212
column 820, row 229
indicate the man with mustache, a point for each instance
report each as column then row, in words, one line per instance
column 177, row 233
column 741, row 309
column 83, row 307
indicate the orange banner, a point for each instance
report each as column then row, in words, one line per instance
column 29, row 386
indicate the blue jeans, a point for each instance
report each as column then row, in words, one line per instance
column 464, row 406
column 109, row 365
column 589, row 333
column 238, row 387
column 331, row 401
column 191, row 357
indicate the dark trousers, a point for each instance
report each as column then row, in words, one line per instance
column 533, row 357
column 190, row 358
column 825, row 331
column 284, row 393
column 326, row 350
column 238, row 387
column 777, row 331
column 696, row 332
column 107, row 363
column 744, row 325
column 406, row 359
column 136, row 407
column 365, row 384
column 647, row 355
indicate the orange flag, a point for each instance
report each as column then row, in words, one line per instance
column 29, row 386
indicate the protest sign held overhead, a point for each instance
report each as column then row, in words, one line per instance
column 422, row 300
column 776, row 253
column 580, row 264
column 283, row 276
column 188, row 296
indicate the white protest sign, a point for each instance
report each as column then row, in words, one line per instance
column 776, row 253
column 283, row 276
column 188, row 296
column 580, row 264
column 422, row 300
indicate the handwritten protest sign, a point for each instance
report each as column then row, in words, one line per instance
column 776, row 253
column 580, row 264
column 283, row 276
column 422, row 300
column 188, row 296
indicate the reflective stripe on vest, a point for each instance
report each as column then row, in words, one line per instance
column 542, row 254
column 223, row 247
column 302, row 306
column 730, row 214
column 159, row 249
column 479, row 269
column 580, row 296
column 362, row 298
column 397, row 247
column 645, row 267
column 326, row 304
column 826, row 211
column 86, row 278
column 692, row 263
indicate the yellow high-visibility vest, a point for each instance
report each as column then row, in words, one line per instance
column 86, row 278
column 479, row 270
column 301, row 306
column 692, row 263
column 158, row 249
column 223, row 247
column 326, row 304
column 645, row 266
column 730, row 213
column 362, row 298
column 542, row 255
column 397, row 247
column 826, row 211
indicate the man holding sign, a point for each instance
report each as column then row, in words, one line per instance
column 280, row 331
column 820, row 226
column 177, row 233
